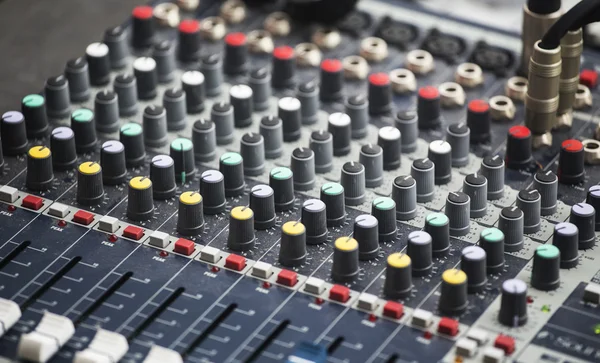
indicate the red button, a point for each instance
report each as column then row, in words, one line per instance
column 142, row 12
column 429, row 92
column 287, row 278
column 506, row 343
column 379, row 79
column 572, row 145
column 133, row 232
column 184, row 246
column 331, row 65
column 189, row 26
column 32, row 202
column 83, row 217
column 393, row 310
column 235, row 39
column 479, row 106
column 283, row 53
column 448, row 326
column 339, row 293
column 588, row 77
column 235, row 262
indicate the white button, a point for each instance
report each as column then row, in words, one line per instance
column 8, row 194
column 10, row 313
column 58, row 210
column 105, row 347
column 592, row 293
column 108, row 224
column 52, row 332
column 314, row 285
column 367, row 302
column 262, row 270
column 466, row 347
column 161, row 355
column 477, row 335
column 210, row 254
column 159, row 239
column 493, row 355
column 422, row 318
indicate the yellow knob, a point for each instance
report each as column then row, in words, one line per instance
column 39, row 152
column 346, row 244
column 140, row 183
column 293, row 228
column 89, row 168
column 190, row 198
column 242, row 213
column 398, row 260
column 454, row 276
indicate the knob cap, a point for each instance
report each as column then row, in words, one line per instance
column 345, row 259
column 380, row 94
column 98, row 61
column 492, row 241
column 475, row 186
column 389, row 139
column 39, row 169
column 583, row 216
column 144, row 70
column 408, row 124
column 190, row 217
column 240, row 97
column 212, row 187
column 428, row 107
column 189, row 40
column 14, row 141
column 404, row 193
column 89, row 183
column 314, row 219
column 571, row 162
column 371, row 156
column 321, row 143
column 155, row 126
column 222, row 116
column 82, row 124
column 132, row 138
column 262, row 202
column 366, row 232
column 478, row 120
column 106, row 109
column 339, row 125
column 292, row 251
column 545, row 273
column 593, row 199
column 419, row 249
column 236, row 54
column 282, row 182
column 303, row 168
column 332, row 80
column 143, row 27
column 204, row 139
column 357, row 108
column 518, row 148
column 175, row 104
column 289, row 113
column 231, row 165
column 62, row 144
column 453, row 294
column 260, row 83
column 438, row 227
column 56, row 94
column 511, row 224
column 271, row 129
column 77, row 73
column 140, row 206
column 182, row 153
column 458, row 136
column 473, row 263
column 353, row 181
column 192, row 83
column 546, row 183
column 308, row 94
column 384, row 209
column 513, row 304
column 241, row 229
column 398, row 276
column 423, row 171
column 252, row 149
column 117, row 41
column 566, row 239
column 112, row 159
column 212, row 68
column 125, row 86
column 529, row 201
column 332, row 194
column 163, row 53
column 162, row 175
column 458, row 210
column 492, row 168
column 440, row 153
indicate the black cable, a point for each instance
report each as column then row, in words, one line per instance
column 581, row 14
column 543, row 7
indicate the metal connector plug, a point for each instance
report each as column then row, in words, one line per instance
column 571, row 46
column 534, row 27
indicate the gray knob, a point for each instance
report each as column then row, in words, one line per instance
column 511, row 224
column 419, row 250
column 440, row 153
column 408, row 124
column 371, row 156
column 357, row 108
column 155, row 126
column 404, row 194
column 458, row 210
column 144, row 69
column 260, row 82
column 473, row 263
column 252, row 150
column 529, row 201
column 345, row 259
column 56, row 94
column 546, row 183
column 423, row 171
column 492, row 168
column 272, row 131
column 366, row 232
column 166, row 63
column 240, row 97
column 204, row 138
column 458, row 136
column 321, row 143
column 308, row 94
column 314, row 218
column 222, row 116
column 339, row 127
column 292, row 250
column 583, row 216
column 175, row 105
column 77, row 73
column 116, row 40
column 106, row 110
column 389, row 139
column 125, row 86
column 438, row 227
column 162, row 175
column 192, row 83
column 566, row 239
column 303, row 168
column 475, row 186
column 212, row 68
column 353, row 181
column 289, row 113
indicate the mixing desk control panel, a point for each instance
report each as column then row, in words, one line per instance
column 220, row 181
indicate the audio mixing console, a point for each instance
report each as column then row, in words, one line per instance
column 226, row 181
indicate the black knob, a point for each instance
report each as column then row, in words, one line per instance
column 282, row 181
column 529, row 201
column 56, row 94
column 262, row 202
column 236, row 54
column 384, row 209
column 106, row 109
column 143, row 28
column 440, row 153
column 492, row 241
column 458, row 207
column 140, row 205
column 82, row 124
column 204, row 139
column 492, row 168
column 419, row 249
column 453, row 293
column 77, row 73
column 62, row 144
column 314, row 219
column 212, row 68
column 583, row 216
column 144, row 70
column 289, row 113
column 566, row 239
column 260, row 83
column 473, row 263
column 303, row 168
column 332, row 80
column 271, row 128
column 518, row 148
column 366, row 232
column 284, row 67
column 116, row 39
column 163, row 53
column 240, row 97
column 380, row 94
column 33, row 108
column 545, row 273
column 570, row 162
column 357, row 107
column 231, row 165
column 174, row 102
column 593, row 199
column 252, row 149
column 98, row 61
column 182, row 153
column 39, row 169
column 189, row 40
column 398, row 276
column 332, row 194
column 90, row 190
column 212, row 187
column 428, row 107
column 132, row 137
column 125, row 86
column 192, row 83
column 339, row 125
column 389, row 139
column 438, row 227
column 511, row 224
column 353, row 181
column 292, row 252
column 162, row 175
column 190, row 216
column 371, row 157
column 241, row 229
column 478, row 120
column 112, row 160
column 345, row 259
column 513, row 304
